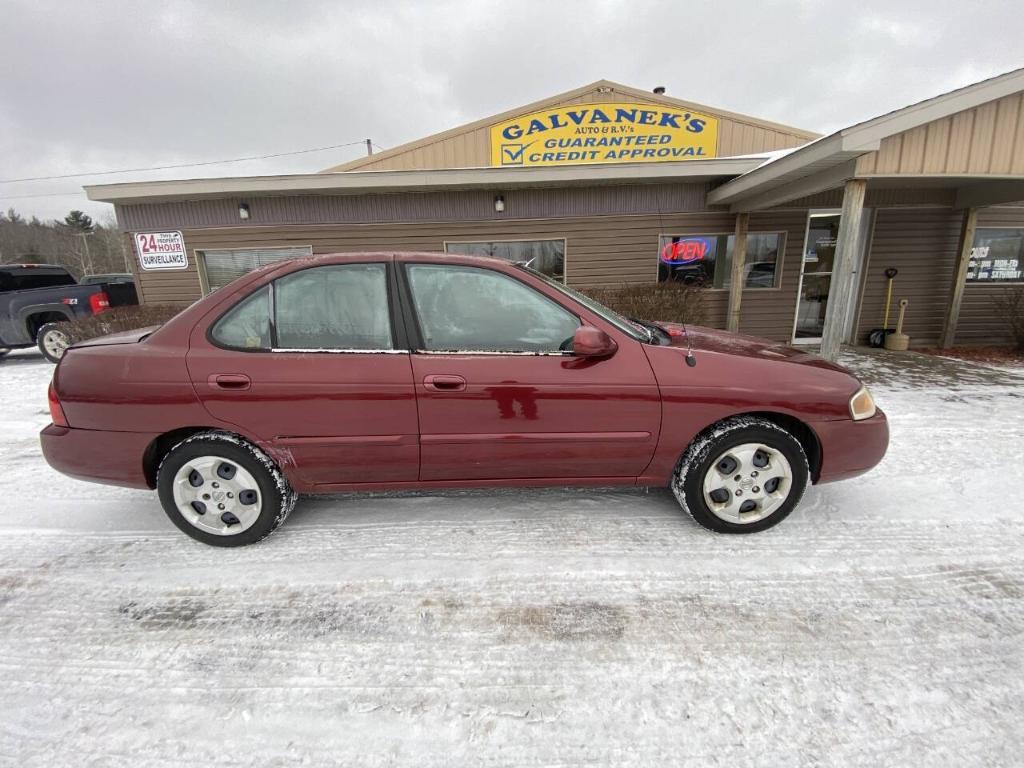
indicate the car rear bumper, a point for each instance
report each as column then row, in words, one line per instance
column 850, row 448
column 113, row 458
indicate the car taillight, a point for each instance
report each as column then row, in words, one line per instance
column 56, row 412
column 99, row 302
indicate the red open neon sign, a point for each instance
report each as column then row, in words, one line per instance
column 686, row 251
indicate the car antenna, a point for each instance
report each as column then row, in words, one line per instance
column 690, row 359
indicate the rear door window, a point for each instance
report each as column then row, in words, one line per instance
column 247, row 324
column 338, row 307
column 335, row 307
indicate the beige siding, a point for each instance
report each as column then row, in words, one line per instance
column 622, row 249
column 770, row 312
column 470, row 148
column 180, row 286
column 986, row 140
column 601, row 250
column 880, row 198
column 923, row 245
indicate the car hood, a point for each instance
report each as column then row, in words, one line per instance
column 702, row 339
column 123, row 337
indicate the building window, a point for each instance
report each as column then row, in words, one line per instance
column 479, row 310
column 544, row 256
column 706, row 260
column 997, row 256
column 221, row 267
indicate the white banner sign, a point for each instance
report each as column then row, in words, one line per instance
column 161, row 250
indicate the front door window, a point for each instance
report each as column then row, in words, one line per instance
column 467, row 308
column 816, row 276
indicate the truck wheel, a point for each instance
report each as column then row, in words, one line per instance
column 53, row 341
column 743, row 475
column 222, row 490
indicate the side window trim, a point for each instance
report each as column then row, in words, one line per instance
column 272, row 310
column 416, row 343
column 399, row 334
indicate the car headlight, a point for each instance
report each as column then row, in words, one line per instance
column 862, row 405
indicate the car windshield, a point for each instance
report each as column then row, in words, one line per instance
column 634, row 330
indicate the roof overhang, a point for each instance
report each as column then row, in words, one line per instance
column 365, row 182
column 827, row 162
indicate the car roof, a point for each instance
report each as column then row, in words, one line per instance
column 433, row 257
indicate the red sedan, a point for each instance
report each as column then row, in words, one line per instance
column 408, row 371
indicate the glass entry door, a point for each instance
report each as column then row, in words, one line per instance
column 815, row 277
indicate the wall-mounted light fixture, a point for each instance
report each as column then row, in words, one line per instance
column 243, row 211
column 499, row 203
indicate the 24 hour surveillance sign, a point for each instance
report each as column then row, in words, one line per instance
column 161, row 250
column 604, row 133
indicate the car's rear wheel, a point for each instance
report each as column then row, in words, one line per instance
column 222, row 490
column 743, row 475
column 53, row 341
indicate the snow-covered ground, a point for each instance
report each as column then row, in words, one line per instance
column 880, row 625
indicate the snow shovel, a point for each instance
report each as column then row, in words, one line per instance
column 876, row 337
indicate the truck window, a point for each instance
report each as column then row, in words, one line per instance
column 26, row 279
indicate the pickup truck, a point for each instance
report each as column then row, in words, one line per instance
column 35, row 299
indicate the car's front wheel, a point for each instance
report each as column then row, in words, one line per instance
column 53, row 341
column 743, row 475
column 222, row 490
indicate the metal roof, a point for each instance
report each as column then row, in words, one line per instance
column 828, row 160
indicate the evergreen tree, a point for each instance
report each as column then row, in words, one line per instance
column 78, row 221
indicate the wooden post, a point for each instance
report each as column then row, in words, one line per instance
column 956, row 292
column 739, row 260
column 841, row 290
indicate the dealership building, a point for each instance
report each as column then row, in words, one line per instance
column 790, row 233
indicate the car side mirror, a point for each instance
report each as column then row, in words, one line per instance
column 592, row 342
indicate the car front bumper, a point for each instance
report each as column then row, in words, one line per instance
column 113, row 458
column 850, row 448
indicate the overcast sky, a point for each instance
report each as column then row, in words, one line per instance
column 91, row 86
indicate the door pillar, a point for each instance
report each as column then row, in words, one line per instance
column 739, row 259
column 956, row 291
column 847, row 247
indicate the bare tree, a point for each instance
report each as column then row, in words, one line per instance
column 78, row 243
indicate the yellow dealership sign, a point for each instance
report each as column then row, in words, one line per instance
column 604, row 133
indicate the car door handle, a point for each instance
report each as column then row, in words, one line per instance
column 229, row 381
column 444, row 383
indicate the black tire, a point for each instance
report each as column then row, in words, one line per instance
column 696, row 461
column 277, row 497
column 4, row 351
column 46, row 334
